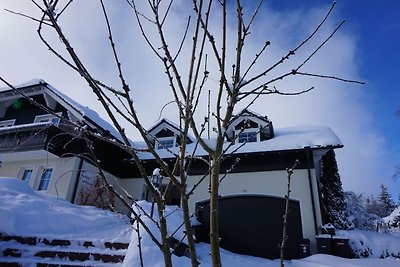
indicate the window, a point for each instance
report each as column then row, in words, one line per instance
column 6, row 123
column 247, row 137
column 26, row 176
column 48, row 118
column 165, row 143
column 45, row 179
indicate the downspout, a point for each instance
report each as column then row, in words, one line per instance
column 308, row 152
column 78, row 174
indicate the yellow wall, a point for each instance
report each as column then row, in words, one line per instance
column 63, row 176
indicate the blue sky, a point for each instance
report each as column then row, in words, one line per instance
column 375, row 26
column 366, row 48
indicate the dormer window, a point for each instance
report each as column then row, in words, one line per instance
column 7, row 123
column 166, row 134
column 248, row 136
column 166, row 142
column 47, row 118
column 248, row 127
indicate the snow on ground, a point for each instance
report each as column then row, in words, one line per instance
column 152, row 256
column 321, row 260
column 28, row 213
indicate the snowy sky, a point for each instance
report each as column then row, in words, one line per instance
column 364, row 117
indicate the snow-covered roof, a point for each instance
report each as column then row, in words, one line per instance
column 76, row 108
column 247, row 112
column 392, row 216
column 166, row 124
column 290, row 138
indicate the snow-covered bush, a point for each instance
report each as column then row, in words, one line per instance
column 372, row 245
column 359, row 216
column 393, row 220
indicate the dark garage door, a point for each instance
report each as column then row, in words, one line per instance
column 252, row 225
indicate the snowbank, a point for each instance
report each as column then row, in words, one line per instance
column 28, row 213
column 152, row 255
column 373, row 244
column 321, row 260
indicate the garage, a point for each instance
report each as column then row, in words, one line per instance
column 252, row 225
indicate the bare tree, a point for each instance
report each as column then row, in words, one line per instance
column 282, row 245
column 237, row 83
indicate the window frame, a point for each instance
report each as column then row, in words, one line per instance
column 45, row 180
column 248, row 132
column 47, row 118
column 24, row 171
column 7, row 123
column 159, row 141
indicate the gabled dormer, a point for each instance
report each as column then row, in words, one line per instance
column 248, row 126
column 166, row 134
column 17, row 112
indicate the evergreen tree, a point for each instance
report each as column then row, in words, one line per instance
column 398, row 201
column 333, row 206
column 386, row 202
column 396, row 222
column 373, row 206
column 359, row 216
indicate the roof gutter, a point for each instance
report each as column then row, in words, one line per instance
column 308, row 152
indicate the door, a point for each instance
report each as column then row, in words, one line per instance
column 252, row 225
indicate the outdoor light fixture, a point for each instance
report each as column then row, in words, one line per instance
column 156, row 178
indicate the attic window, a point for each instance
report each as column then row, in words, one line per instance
column 47, row 118
column 248, row 136
column 7, row 123
column 166, row 142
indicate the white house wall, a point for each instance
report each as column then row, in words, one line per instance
column 62, row 178
column 133, row 186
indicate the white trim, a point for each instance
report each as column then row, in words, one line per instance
column 26, row 155
column 260, row 122
column 48, row 118
column 7, row 123
column 159, row 140
column 248, row 130
column 39, row 175
column 22, row 170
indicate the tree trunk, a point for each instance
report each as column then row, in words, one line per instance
column 189, row 230
column 163, row 231
column 282, row 246
column 214, row 233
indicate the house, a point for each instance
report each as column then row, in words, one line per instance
column 42, row 143
column 252, row 193
column 253, row 173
